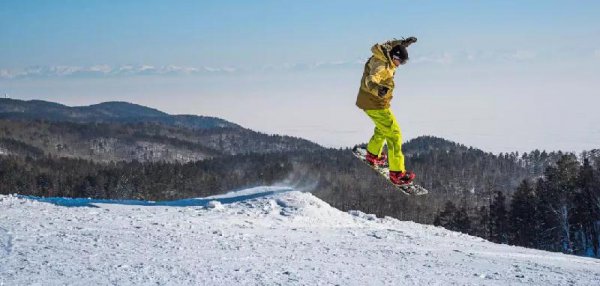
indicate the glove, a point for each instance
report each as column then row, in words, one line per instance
column 382, row 91
column 409, row 41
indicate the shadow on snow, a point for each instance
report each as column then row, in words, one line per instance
column 228, row 198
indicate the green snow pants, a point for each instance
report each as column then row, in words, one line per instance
column 387, row 130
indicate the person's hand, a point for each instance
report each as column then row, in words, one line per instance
column 382, row 91
column 409, row 41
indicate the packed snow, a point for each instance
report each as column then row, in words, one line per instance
column 259, row 236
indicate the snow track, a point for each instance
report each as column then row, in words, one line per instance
column 260, row 236
column 5, row 243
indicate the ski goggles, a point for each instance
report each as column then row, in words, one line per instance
column 402, row 61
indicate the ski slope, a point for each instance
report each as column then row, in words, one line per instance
column 259, row 236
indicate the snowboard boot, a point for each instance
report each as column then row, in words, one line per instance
column 376, row 161
column 402, row 178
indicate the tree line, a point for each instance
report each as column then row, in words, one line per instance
column 559, row 211
column 449, row 171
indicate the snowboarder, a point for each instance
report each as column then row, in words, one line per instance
column 374, row 96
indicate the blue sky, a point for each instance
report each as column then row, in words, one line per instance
column 498, row 75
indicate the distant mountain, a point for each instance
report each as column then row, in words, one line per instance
column 122, row 112
column 425, row 144
column 120, row 131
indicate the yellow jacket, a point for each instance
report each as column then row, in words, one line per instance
column 379, row 72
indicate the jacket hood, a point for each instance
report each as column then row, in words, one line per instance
column 382, row 51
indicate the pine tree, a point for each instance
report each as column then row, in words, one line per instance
column 445, row 218
column 481, row 227
column 585, row 213
column 555, row 204
column 454, row 219
column 461, row 220
column 499, row 219
column 523, row 226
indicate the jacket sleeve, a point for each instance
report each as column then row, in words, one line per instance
column 377, row 74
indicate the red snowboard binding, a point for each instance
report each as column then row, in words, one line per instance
column 376, row 161
column 402, row 178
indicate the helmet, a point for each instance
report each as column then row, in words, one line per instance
column 399, row 52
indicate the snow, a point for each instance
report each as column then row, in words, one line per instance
column 259, row 236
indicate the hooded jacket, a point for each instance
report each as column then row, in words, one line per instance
column 379, row 72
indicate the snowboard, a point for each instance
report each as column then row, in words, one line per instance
column 411, row 189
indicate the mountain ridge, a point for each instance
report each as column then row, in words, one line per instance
column 111, row 111
column 114, row 131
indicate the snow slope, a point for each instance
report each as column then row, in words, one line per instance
column 260, row 236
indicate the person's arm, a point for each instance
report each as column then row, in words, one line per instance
column 402, row 42
column 377, row 74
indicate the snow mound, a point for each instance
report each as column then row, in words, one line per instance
column 257, row 236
